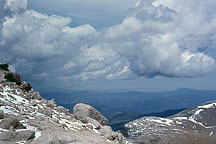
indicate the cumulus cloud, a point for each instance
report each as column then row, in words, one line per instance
column 167, row 38
column 9, row 7
column 39, row 45
column 157, row 38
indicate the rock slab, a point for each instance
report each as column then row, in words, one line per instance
column 82, row 111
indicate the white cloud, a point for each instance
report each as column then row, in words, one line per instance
column 158, row 38
column 16, row 5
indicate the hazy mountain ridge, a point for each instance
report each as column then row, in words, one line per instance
column 136, row 102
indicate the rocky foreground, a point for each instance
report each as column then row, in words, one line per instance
column 192, row 126
column 26, row 118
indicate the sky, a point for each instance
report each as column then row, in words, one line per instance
column 110, row 44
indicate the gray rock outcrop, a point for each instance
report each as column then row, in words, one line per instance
column 70, row 137
column 1, row 114
column 8, row 122
column 26, row 117
column 2, row 75
column 82, row 111
column 17, row 136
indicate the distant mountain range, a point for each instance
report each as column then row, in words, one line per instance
column 133, row 104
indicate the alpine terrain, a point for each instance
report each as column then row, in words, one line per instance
column 27, row 118
column 192, row 126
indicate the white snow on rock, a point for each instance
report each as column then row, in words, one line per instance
column 198, row 112
column 8, row 96
column 9, row 110
column 17, row 102
column 32, row 128
column 211, row 105
column 162, row 121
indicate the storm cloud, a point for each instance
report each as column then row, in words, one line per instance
column 157, row 38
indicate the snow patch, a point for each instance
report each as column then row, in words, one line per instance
column 180, row 118
column 198, row 112
column 163, row 121
column 178, row 122
column 32, row 128
column 8, row 110
column 211, row 105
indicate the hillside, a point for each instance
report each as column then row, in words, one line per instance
column 116, row 121
column 26, row 118
column 196, row 125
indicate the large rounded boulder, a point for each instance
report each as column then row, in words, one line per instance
column 82, row 111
